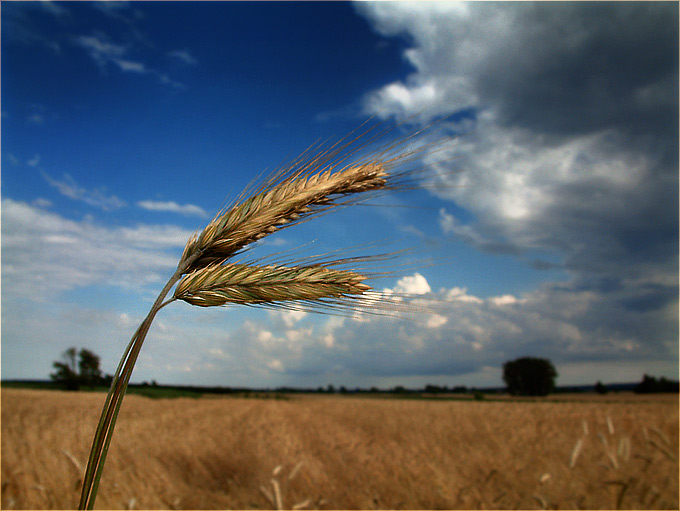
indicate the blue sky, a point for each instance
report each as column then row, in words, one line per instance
column 127, row 125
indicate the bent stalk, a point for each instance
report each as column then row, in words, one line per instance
column 107, row 421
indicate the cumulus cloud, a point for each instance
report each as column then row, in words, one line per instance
column 45, row 254
column 573, row 153
column 412, row 285
column 471, row 334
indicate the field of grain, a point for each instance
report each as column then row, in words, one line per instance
column 344, row 452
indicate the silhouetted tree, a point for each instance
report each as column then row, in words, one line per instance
column 650, row 384
column 600, row 388
column 90, row 374
column 85, row 372
column 66, row 373
column 529, row 376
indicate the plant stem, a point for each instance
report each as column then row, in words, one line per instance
column 114, row 399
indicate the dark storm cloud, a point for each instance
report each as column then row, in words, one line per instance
column 574, row 153
column 582, row 67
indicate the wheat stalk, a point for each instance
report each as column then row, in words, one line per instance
column 322, row 178
column 575, row 452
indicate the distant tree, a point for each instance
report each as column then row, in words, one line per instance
column 650, row 384
column 66, row 372
column 529, row 376
column 85, row 372
column 90, row 374
column 600, row 388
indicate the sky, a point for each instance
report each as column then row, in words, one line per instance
column 552, row 231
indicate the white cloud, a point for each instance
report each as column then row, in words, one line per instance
column 265, row 337
column 328, row 340
column 414, row 284
column 56, row 10
column 105, row 53
column 459, row 342
column 19, row 26
column 34, row 162
column 567, row 157
column 45, row 254
column 114, row 9
column 131, row 66
column 503, row 300
column 219, row 353
column 551, row 160
column 100, row 50
column 184, row 55
column 291, row 317
column 460, row 295
column 42, row 202
column 275, row 365
column 436, row 320
column 98, row 197
column 184, row 209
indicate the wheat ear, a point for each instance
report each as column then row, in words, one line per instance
column 278, row 205
column 253, row 285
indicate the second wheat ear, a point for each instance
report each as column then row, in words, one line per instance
column 322, row 178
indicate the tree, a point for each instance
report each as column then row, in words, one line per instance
column 600, row 388
column 66, row 373
column 650, row 384
column 85, row 372
column 90, row 374
column 529, row 376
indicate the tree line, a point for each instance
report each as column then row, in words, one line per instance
column 525, row 376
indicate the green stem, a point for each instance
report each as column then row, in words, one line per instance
column 114, row 399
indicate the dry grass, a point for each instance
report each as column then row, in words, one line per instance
column 343, row 452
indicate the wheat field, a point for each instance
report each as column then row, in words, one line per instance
column 331, row 452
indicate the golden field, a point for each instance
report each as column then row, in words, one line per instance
column 331, row 452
